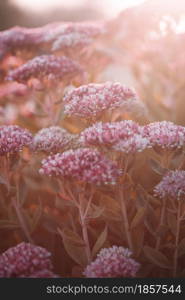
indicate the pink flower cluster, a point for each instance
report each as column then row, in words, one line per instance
column 13, row 138
column 172, row 185
column 46, row 66
column 112, row 262
column 165, row 134
column 83, row 164
column 73, row 40
column 88, row 101
column 124, row 136
column 135, row 143
column 58, row 36
column 109, row 133
column 26, row 260
column 73, row 35
column 51, row 139
column 88, row 28
column 19, row 38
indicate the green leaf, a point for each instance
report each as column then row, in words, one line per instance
column 100, row 241
column 181, row 248
column 112, row 209
column 73, row 236
column 3, row 180
column 156, row 257
column 138, row 239
column 97, row 212
column 49, row 223
column 139, row 217
column 156, row 167
column 172, row 222
column 6, row 224
column 74, row 246
column 37, row 216
column 22, row 192
column 161, row 231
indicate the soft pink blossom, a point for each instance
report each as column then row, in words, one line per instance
column 51, row 139
column 89, row 29
column 46, row 66
column 75, row 36
column 26, row 260
column 83, row 164
column 165, row 134
column 71, row 40
column 19, row 38
column 112, row 262
column 133, row 144
column 172, row 185
column 109, row 133
column 90, row 100
column 13, row 138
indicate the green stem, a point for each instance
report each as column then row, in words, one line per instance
column 125, row 220
column 22, row 221
column 84, row 230
column 175, row 262
column 161, row 223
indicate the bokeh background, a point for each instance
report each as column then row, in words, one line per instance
column 141, row 46
column 36, row 13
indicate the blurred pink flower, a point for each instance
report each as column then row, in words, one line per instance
column 109, row 133
column 165, row 134
column 132, row 144
column 19, row 38
column 73, row 36
column 89, row 29
column 90, row 100
column 51, row 139
column 26, row 260
column 13, row 89
column 83, row 164
column 71, row 40
column 171, row 185
column 112, row 262
column 46, row 66
column 13, row 138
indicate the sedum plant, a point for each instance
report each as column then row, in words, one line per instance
column 92, row 170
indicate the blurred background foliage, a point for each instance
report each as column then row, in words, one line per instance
column 146, row 47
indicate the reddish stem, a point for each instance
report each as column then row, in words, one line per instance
column 175, row 262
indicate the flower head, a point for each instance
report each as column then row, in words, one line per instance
column 51, row 139
column 135, row 143
column 172, row 185
column 165, row 134
column 69, row 36
column 83, row 164
column 90, row 100
column 13, row 138
column 46, row 66
column 19, row 38
column 109, row 133
column 88, row 29
column 71, row 40
column 113, row 262
column 25, row 260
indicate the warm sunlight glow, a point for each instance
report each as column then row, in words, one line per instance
column 110, row 7
column 44, row 5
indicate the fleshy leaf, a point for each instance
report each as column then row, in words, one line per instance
column 139, row 217
column 157, row 257
column 100, row 242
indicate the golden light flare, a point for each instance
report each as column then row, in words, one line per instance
column 110, row 7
